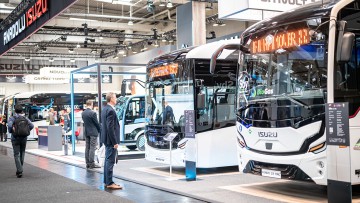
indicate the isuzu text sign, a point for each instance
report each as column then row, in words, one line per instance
column 28, row 22
column 30, row 16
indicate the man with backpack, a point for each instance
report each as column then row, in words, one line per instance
column 19, row 126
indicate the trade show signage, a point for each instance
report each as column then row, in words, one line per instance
column 28, row 22
column 190, row 150
column 39, row 79
column 19, row 66
column 63, row 72
column 337, row 124
column 256, row 9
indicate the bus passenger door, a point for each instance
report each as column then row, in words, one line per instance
column 134, row 118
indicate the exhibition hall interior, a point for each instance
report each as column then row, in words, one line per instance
column 180, row 101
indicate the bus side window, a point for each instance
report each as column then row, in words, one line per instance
column 347, row 81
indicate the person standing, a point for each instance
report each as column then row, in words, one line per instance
column 92, row 130
column 110, row 137
column 51, row 117
column 168, row 114
column 19, row 126
column 3, row 129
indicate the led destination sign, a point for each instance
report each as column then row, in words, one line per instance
column 280, row 40
column 171, row 69
column 30, row 16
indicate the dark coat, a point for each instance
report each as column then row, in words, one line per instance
column 91, row 123
column 3, row 128
column 110, row 127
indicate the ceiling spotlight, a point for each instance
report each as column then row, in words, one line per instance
column 72, row 60
column 94, row 51
column 71, row 50
column 134, row 52
column 86, row 30
column 156, row 44
column 150, row 6
column 51, row 60
column 162, row 3
column 130, row 23
column 90, row 39
column 221, row 23
column 209, row 7
column 216, row 24
column 101, row 37
column 116, row 57
column 169, row 4
column 78, row 46
column 27, row 59
column 43, row 49
column 63, row 38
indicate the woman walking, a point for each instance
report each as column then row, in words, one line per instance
column 3, row 128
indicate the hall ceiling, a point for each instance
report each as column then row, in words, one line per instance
column 107, row 29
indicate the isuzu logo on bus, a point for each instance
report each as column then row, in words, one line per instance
column 267, row 134
column 30, row 16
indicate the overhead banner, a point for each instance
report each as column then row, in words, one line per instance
column 19, row 66
column 38, row 79
column 28, row 22
column 63, row 72
column 256, row 9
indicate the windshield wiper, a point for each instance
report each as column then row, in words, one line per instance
column 296, row 101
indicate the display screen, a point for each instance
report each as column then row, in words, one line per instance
column 166, row 70
column 280, row 40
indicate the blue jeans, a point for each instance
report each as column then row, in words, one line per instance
column 110, row 153
column 19, row 146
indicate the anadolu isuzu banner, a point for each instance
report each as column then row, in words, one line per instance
column 28, row 22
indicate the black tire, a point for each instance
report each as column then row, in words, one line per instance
column 140, row 142
column 131, row 147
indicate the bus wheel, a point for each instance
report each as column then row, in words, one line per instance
column 131, row 147
column 140, row 143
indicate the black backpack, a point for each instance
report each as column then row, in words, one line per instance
column 21, row 127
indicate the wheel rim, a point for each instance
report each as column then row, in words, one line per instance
column 141, row 143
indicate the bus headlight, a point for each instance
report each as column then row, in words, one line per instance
column 182, row 145
column 318, row 148
column 241, row 142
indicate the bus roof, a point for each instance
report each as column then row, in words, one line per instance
column 197, row 52
column 308, row 11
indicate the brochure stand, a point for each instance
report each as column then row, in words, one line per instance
column 170, row 137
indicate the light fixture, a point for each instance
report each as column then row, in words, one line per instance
column 116, row 57
column 43, row 49
column 216, row 23
column 78, row 45
column 72, row 60
column 101, row 37
column 63, row 38
column 171, row 40
column 27, row 59
column 71, row 50
column 156, row 44
column 130, row 23
column 51, row 60
column 162, row 4
column 94, row 51
column 122, row 2
column 169, row 4
column 209, row 7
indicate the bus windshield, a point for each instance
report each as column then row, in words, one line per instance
column 286, row 66
column 169, row 92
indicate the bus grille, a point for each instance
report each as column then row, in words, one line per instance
column 289, row 172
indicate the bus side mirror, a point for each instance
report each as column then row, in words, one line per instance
column 201, row 101
column 345, row 50
column 123, row 89
column 218, row 52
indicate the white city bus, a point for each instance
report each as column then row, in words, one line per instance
column 290, row 66
column 182, row 79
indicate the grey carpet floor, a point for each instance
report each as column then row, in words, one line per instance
column 41, row 186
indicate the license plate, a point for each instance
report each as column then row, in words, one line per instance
column 270, row 173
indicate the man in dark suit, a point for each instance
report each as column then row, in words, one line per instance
column 168, row 114
column 110, row 137
column 92, row 130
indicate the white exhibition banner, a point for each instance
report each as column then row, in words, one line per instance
column 256, row 9
column 61, row 72
column 41, row 79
